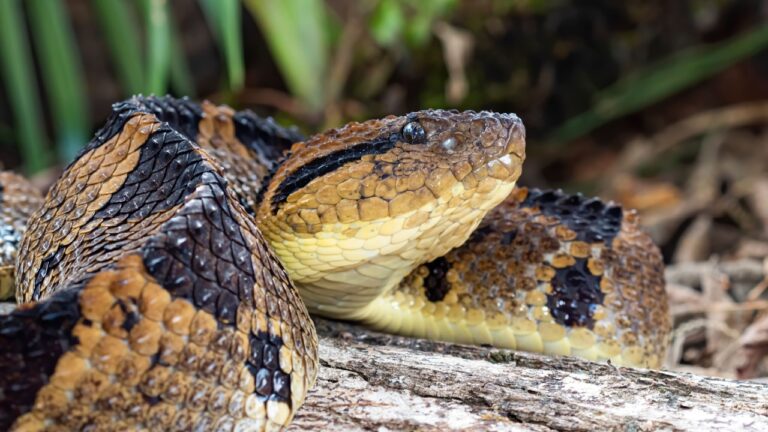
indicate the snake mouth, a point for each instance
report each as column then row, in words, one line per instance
column 515, row 148
column 498, row 157
column 516, row 136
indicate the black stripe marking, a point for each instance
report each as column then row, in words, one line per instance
column 575, row 294
column 46, row 266
column 169, row 168
column 328, row 163
column 436, row 286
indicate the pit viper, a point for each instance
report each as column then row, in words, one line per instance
column 166, row 280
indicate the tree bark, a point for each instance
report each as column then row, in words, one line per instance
column 371, row 381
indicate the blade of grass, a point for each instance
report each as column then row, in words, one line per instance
column 297, row 32
column 19, row 78
column 224, row 18
column 387, row 22
column 166, row 59
column 118, row 22
column 676, row 73
column 158, row 45
column 62, row 74
column 181, row 78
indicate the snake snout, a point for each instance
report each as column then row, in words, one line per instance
column 515, row 135
column 499, row 145
column 479, row 136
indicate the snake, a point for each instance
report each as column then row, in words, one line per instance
column 166, row 279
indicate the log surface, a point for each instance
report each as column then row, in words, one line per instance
column 371, row 381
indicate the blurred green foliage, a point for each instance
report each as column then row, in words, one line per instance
column 22, row 92
column 151, row 68
column 412, row 20
column 298, row 33
column 61, row 74
column 119, row 25
column 645, row 87
column 305, row 39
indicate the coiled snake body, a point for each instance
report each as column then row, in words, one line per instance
column 157, row 277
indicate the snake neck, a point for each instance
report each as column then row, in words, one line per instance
column 341, row 270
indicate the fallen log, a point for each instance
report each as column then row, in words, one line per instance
column 372, row 381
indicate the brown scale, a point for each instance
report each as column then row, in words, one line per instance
column 526, row 245
column 172, row 313
column 18, row 200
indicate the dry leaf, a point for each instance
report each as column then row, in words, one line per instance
column 753, row 348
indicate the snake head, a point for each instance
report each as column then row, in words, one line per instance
column 368, row 201
column 386, row 167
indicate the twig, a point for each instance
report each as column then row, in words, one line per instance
column 704, row 122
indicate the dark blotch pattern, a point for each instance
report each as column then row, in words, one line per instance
column 202, row 255
column 575, row 294
column 31, row 342
column 592, row 220
column 263, row 363
column 169, row 168
column 436, row 286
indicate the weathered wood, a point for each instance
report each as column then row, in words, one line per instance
column 370, row 381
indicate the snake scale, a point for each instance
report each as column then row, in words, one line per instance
column 165, row 281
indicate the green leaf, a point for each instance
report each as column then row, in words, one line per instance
column 297, row 32
column 20, row 84
column 387, row 22
column 224, row 18
column 425, row 12
column 121, row 33
column 158, row 45
column 676, row 73
column 62, row 74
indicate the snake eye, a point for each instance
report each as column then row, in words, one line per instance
column 413, row 133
